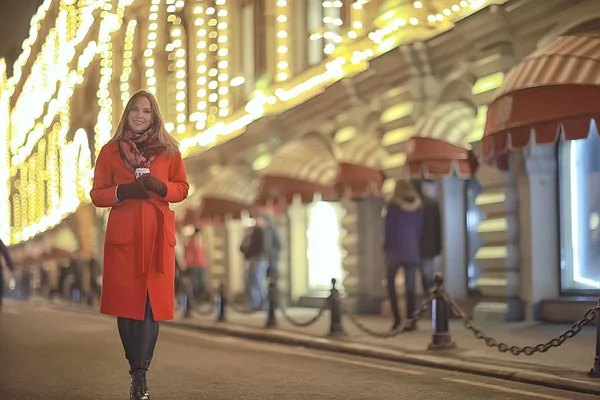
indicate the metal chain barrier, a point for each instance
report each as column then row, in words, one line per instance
column 406, row 326
column 238, row 308
column 210, row 310
column 588, row 317
column 303, row 324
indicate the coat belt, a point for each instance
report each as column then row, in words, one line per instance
column 158, row 242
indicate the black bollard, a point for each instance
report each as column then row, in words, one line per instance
column 221, row 303
column 595, row 371
column 335, row 310
column 440, row 338
column 271, row 320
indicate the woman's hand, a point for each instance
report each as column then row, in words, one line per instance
column 153, row 184
column 132, row 190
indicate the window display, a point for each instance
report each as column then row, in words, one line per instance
column 579, row 171
column 324, row 247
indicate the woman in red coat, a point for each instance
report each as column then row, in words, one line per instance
column 138, row 173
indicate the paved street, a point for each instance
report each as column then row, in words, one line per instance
column 49, row 354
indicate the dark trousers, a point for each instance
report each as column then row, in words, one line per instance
column 139, row 339
column 198, row 278
column 410, row 281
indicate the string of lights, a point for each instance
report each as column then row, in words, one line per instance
column 51, row 175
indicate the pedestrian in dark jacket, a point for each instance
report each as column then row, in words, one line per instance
column 257, row 253
column 403, row 229
column 431, row 238
column 275, row 249
column 10, row 266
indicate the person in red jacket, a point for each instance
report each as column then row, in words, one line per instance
column 138, row 173
column 196, row 263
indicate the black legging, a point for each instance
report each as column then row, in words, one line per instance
column 139, row 339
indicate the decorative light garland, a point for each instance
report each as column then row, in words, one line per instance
column 127, row 61
column 73, row 176
column 282, row 56
column 223, row 17
column 201, row 45
column 151, row 45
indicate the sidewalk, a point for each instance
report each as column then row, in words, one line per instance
column 565, row 367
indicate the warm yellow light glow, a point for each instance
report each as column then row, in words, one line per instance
column 40, row 118
column 223, row 32
column 127, row 60
column 282, row 26
column 5, row 207
column 151, row 45
column 178, row 47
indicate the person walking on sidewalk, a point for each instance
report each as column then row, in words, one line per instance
column 196, row 264
column 431, row 238
column 256, row 253
column 11, row 268
column 274, row 250
column 403, row 228
column 138, row 173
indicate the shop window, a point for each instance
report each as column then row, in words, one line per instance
column 472, row 220
column 579, row 195
column 324, row 252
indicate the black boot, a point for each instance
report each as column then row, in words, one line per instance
column 139, row 385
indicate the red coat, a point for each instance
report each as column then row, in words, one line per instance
column 139, row 246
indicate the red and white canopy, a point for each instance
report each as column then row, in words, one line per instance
column 555, row 89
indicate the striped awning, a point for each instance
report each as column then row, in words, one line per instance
column 440, row 144
column 555, row 89
column 185, row 211
column 228, row 194
column 359, row 166
column 302, row 167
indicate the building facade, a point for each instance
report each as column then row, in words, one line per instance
column 310, row 110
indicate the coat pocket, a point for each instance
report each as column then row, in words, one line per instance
column 120, row 229
column 170, row 228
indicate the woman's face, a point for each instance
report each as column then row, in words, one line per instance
column 140, row 115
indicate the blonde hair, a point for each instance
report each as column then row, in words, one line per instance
column 164, row 137
column 405, row 189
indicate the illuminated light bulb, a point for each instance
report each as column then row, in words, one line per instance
column 455, row 8
column 417, row 4
column 414, row 21
column 237, row 81
column 431, row 18
column 447, row 12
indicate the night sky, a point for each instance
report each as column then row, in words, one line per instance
column 14, row 26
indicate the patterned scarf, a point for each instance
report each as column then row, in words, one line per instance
column 140, row 149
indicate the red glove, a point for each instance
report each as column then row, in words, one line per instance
column 153, row 184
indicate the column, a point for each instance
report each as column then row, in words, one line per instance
column 517, row 196
column 235, row 265
column 298, row 245
column 542, row 168
column 454, row 236
column 371, row 291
